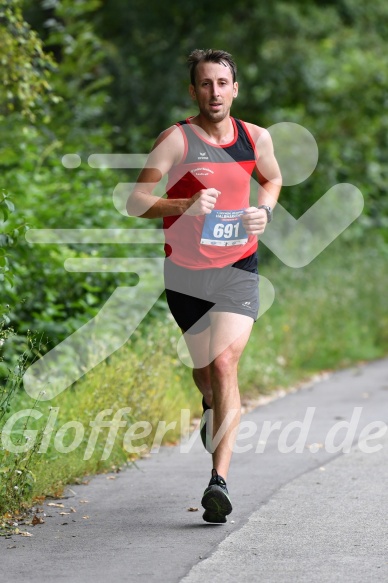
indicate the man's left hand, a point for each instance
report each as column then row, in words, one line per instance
column 254, row 220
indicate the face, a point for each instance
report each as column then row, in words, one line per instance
column 214, row 90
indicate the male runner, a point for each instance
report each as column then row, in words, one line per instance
column 211, row 235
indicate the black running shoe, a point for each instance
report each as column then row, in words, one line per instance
column 215, row 500
column 203, row 426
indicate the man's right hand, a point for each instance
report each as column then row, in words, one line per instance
column 203, row 202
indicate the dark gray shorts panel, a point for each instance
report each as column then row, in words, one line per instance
column 193, row 293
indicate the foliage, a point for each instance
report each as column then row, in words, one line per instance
column 47, row 194
column 25, row 67
column 16, row 476
column 7, row 240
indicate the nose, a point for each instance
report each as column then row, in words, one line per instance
column 215, row 89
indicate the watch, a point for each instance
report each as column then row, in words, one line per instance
column 268, row 210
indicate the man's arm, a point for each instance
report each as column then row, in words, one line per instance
column 166, row 152
column 269, row 178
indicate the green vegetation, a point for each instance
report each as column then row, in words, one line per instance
column 327, row 315
column 91, row 77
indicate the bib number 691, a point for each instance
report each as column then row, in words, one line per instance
column 225, row 231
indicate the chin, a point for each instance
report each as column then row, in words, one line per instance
column 215, row 117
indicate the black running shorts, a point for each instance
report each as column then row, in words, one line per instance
column 193, row 293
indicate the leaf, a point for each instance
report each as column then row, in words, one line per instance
column 10, row 205
column 192, row 509
column 9, row 278
column 37, row 520
column 5, row 213
column 56, row 505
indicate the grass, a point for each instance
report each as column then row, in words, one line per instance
column 327, row 315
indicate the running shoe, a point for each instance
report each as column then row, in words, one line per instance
column 204, row 425
column 215, row 500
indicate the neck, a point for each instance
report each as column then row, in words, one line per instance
column 219, row 132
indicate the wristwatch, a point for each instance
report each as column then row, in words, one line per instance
column 268, row 210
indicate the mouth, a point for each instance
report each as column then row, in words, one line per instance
column 215, row 105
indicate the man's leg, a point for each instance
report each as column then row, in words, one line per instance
column 221, row 346
column 198, row 346
column 229, row 335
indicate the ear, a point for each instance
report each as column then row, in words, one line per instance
column 235, row 89
column 192, row 92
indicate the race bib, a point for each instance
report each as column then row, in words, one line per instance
column 224, row 228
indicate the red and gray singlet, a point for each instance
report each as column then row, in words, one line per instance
column 217, row 239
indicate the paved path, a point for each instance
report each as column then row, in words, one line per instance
column 317, row 515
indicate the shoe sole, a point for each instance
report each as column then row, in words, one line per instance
column 217, row 503
column 213, row 518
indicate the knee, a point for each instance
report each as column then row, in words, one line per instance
column 224, row 364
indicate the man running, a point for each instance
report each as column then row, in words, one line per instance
column 211, row 232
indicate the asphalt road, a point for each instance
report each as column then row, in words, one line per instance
column 318, row 514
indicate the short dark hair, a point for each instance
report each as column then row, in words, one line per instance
column 210, row 56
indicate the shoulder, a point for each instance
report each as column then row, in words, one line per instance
column 173, row 134
column 260, row 136
column 170, row 142
column 255, row 131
